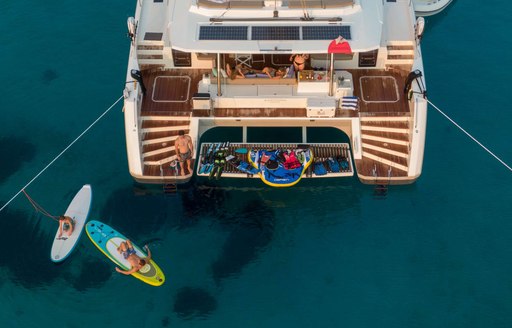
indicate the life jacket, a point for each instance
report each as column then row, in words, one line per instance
column 319, row 168
column 291, row 162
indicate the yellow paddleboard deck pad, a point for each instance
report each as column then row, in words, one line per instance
column 107, row 240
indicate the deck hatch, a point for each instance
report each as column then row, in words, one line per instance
column 325, row 32
column 163, row 83
column 153, row 36
column 212, row 32
column 275, row 33
column 384, row 89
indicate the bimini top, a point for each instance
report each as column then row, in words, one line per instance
column 248, row 26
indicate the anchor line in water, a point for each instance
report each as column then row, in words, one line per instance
column 39, row 208
column 61, row 153
column 469, row 135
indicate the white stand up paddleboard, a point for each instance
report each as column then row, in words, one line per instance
column 78, row 210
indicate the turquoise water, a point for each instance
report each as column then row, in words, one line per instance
column 324, row 254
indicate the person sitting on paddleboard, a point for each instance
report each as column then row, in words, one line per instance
column 129, row 253
column 65, row 225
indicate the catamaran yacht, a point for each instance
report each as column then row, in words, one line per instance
column 196, row 65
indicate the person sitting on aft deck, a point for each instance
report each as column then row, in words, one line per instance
column 274, row 73
column 246, row 72
column 299, row 61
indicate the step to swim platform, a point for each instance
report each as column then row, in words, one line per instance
column 165, row 128
column 384, row 129
column 384, row 150
column 158, row 151
column 384, row 140
column 159, row 140
column 163, row 161
column 386, row 161
column 165, row 118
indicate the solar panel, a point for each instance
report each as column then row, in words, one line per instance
column 275, row 33
column 325, row 32
column 212, row 32
column 220, row 32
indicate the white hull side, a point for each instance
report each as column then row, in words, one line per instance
column 132, row 110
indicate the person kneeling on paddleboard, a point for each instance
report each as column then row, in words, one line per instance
column 66, row 225
column 129, row 253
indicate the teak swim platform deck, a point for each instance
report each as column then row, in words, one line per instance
column 321, row 153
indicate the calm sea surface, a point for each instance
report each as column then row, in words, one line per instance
column 238, row 254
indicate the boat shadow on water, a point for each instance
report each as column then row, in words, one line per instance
column 192, row 302
column 251, row 231
column 250, row 228
column 249, row 221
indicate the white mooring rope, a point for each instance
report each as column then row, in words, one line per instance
column 61, row 153
column 469, row 135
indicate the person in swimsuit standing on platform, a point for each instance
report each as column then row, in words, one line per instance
column 184, row 150
column 299, row 61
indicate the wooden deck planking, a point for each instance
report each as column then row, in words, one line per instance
column 161, row 123
column 388, row 146
column 377, row 91
column 168, row 90
column 366, row 166
column 167, row 172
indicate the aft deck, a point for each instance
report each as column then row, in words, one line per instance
column 167, row 107
column 169, row 92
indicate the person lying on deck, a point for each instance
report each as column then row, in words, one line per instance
column 240, row 71
column 274, row 73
